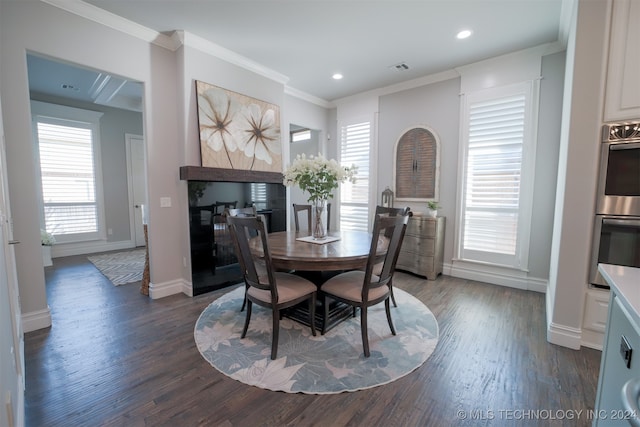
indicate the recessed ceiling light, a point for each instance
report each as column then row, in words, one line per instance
column 337, row 76
column 463, row 34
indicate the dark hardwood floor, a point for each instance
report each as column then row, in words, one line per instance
column 115, row 357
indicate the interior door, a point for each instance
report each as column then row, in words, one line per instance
column 137, row 184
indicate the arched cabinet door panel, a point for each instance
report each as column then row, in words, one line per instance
column 417, row 165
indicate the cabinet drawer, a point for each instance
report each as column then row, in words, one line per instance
column 418, row 245
column 416, row 263
column 422, row 227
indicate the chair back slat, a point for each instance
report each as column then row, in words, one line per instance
column 243, row 229
column 297, row 208
column 388, row 232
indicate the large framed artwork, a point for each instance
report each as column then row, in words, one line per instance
column 237, row 131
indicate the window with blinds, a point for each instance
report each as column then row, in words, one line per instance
column 66, row 151
column 492, row 197
column 259, row 195
column 354, row 198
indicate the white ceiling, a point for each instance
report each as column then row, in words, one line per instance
column 309, row 40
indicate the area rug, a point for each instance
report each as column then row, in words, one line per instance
column 121, row 267
column 324, row 364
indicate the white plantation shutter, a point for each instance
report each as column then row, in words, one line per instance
column 354, row 198
column 68, row 179
column 492, row 198
column 259, row 195
column 67, row 147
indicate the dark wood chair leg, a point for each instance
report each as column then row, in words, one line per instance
column 325, row 315
column 364, row 330
column 276, row 330
column 393, row 298
column 247, row 319
column 244, row 301
column 312, row 314
column 387, row 308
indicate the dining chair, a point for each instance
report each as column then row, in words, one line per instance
column 383, row 210
column 297, row 208
column 247, row 211
column 275, row 290
column 363, row 289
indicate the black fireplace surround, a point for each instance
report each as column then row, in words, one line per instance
column 213, row 261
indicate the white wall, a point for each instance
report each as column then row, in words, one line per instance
column 577, row 173
column 436, row 106
column 67, row 37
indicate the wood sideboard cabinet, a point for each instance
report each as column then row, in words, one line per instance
column 423, row 246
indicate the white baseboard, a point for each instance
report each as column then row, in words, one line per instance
column 496, row 276
column 69, row 249
column 178, row 286
column 564, row 335
column 35, row 320
column 592, row 339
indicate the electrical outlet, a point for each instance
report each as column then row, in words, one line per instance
column 165, row 202
column 109, row 231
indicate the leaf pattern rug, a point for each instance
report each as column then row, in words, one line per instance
column 324, row 364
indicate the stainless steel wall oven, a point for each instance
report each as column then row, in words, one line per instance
column 616, row 232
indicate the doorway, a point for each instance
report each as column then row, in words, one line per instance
column 122, row 184
column 137, row 178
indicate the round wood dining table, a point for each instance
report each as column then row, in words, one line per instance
column 349, row 252
column 312, row 259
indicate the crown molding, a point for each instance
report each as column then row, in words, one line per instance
column 307, row 97
column 101, row 16
column 178, row 39
column 206, row 46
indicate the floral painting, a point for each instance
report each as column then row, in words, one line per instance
column 237, row 131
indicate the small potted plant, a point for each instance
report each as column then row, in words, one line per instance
column 47, row 240
column 433, row 206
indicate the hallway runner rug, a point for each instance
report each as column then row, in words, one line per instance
column 121, row 267
column 324, row 364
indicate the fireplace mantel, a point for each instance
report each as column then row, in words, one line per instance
column 198, row 173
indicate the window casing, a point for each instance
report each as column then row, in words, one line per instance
column 498, row 152
column 67, row 147
column 355, row 149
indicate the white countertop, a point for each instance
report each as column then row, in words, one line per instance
column 625, row 283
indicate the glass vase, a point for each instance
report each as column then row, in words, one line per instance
column 319, row 219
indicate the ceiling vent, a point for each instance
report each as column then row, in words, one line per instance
column 400, row 67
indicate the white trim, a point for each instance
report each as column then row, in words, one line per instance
column 172, row 287
column 565, row 336
column 473, row 94
column 62, row 114
column 206, row 46
column 495, row 275
column 111, row 20
column 82, row 248
column 592, row 339
column 288, row 90
column 35, row 320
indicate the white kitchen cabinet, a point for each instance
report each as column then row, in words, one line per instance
column 621, row 351
column 622, row 98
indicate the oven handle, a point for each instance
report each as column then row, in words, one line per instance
column 624, row 146
column 623, row 222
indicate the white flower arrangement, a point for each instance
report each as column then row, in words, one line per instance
column 46, row 238
column 318, row 176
